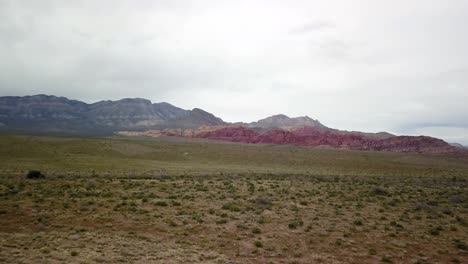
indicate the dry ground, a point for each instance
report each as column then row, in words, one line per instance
column 282, row 206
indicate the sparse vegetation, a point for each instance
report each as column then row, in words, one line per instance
column 151, row 206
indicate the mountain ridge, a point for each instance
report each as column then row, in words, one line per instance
column 48, row 112
column 141, row 117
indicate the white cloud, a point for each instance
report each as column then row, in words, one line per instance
column 366, row 65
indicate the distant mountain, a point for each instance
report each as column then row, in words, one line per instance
column 283, row 121
column 44, row 113
column 458, row 145
column 141, row 117
column 293, row 123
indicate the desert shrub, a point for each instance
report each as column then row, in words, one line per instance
column 34, row 174
column 241, row 226
column 231, row 207
column 379, row 191
column 387, row 259
column 422, row 261
column 221, row 221
column 263, row 203
column 358, row 222
column 258, row 244
column 396, row 224
column 295, row 224
column 161, row 203
column 172, row 223
column 339, row 242
column 459, row 244
column 447, row 211
column 393, row 202
column 435, row 231
column 198, row 218
column 422, row 206
column 256, row 230
column 261, row 220
column 458, row 199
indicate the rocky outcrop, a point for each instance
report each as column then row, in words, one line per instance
column 230, row 133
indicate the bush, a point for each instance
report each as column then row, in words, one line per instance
column 34, row 174
column 295, row 224
column 435, row 231
column 256, row 230
column 379, row 191
column 358, row 222
column 263, row 203
column 459, row 244
column 231, row 207
column 161, row 203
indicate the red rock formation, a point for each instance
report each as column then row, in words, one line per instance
column 230, row 133
column 315, row 137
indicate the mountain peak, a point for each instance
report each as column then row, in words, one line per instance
column 198, row 110
column 281, row 120
column 134, row 100
column 279, row 116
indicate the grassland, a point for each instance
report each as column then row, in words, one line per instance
column 108, row 200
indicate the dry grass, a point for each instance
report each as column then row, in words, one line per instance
column 241, row 214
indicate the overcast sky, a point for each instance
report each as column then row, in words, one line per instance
column 397, row 66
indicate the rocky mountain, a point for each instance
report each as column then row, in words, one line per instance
column 44, row 113
column 283, row 121
column 141, row 117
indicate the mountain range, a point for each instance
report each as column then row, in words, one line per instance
column 141, row 117
column 44, row 113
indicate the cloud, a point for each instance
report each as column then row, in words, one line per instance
column 312, row 27
column 372, row 66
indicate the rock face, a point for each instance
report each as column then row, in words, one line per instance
column 51, row 113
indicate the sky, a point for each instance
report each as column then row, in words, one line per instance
column 367, row 65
